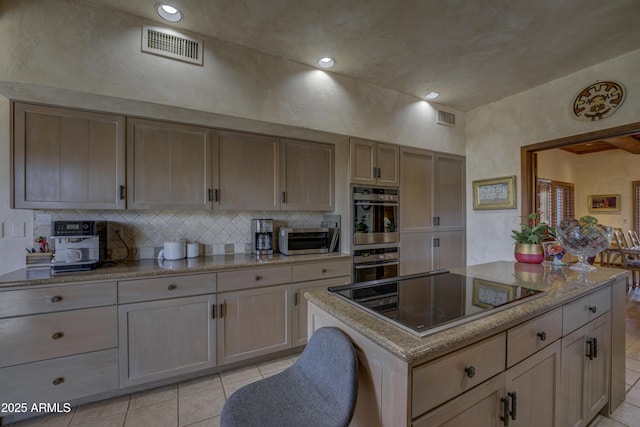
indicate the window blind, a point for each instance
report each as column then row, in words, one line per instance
column 557, row 200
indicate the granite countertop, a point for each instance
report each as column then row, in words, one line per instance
column 560, row 284
column 150, row 267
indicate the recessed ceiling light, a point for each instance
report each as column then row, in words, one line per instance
column 432, row 95
column 326, row 62
column 168, row 12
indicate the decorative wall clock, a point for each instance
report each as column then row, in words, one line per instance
column 598, row 101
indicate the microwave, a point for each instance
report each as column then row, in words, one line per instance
column 296, row 241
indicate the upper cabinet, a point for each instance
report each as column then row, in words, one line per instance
column 68, row 159
column 168, row 166
column 248, row 171
column 374, row 163
column 306, row 176
column 432, row 191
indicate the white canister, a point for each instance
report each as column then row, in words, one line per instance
column 193, row 250
column 174, row 249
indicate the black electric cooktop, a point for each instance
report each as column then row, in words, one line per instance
column 430, row 302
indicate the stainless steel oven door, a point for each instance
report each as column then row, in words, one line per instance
column 375, row 222
column 375, row 271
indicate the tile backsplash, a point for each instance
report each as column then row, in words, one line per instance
column 144, row 232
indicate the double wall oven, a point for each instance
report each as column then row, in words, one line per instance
column 375, row 233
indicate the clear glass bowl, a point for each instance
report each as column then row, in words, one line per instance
column 584, row 242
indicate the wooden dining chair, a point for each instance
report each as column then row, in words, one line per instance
column 634, row 238
column 629, row 262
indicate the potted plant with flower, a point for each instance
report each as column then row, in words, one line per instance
column 530, row 237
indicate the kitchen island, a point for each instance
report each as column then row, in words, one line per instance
column 557, row 359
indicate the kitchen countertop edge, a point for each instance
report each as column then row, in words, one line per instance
column 150, row 268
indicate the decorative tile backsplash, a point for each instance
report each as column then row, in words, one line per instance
column 144, row 232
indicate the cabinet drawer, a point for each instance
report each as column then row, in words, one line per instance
column 321, row 270
column 437, row 381
column 62, row 379
column 585, row 309
column 39, row 337
column 166, row 287
column 57, row 298
column 252, row 278
column 533, row 336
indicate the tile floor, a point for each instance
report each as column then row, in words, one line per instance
column 198, row 402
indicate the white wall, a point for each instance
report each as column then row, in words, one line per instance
column 496, row 132
column 71, row 53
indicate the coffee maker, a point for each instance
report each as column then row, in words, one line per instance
column 262, row 236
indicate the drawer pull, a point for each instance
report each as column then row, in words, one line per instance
column 542, row 335
column 470, row 371
column 57, row 336
column 57, row 298
column 58, row 381
column 324, row 270
column 593, row 309
column 258, row 278
column 172, row 287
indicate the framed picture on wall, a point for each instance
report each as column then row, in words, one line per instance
column 604, row 203
column 495, row 193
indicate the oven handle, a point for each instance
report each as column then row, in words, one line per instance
column 380, row 264
column 368, row 203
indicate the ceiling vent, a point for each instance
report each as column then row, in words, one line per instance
column 446, row 118
column 171, row 44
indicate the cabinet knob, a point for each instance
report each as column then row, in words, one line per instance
column 57, row 336
column 470, row 371
column 593, row 309
column 324, row 270
column 58, row 381
column 56, row 298
column 172, row 287
column 542, row 335
column 258, row 278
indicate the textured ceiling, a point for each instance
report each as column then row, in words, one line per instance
column 471, row 51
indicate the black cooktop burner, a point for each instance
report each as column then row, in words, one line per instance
column 430, row 302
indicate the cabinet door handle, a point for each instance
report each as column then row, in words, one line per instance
column 593, row 309
column 595, row 347
column 209, row 194
column 590, row 349
column 122, row 192
column 295, row 299
column 58, row 381
column 57, row 336
column 514, row 404
column 213, row 311
column 470, row 371
column 284, row 197
column 505, row 410
column 223, row 310
column 216, row 195
column 172, row 287
column 542, row 335
column 56, row 298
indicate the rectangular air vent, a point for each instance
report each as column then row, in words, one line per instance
column 446, row 118
column 171, row 44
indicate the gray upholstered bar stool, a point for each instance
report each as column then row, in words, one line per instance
column 320, row 389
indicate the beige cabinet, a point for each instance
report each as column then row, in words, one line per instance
column 168, row 166
column 253, row 322
column 62, row 342
column 585, row 371
column 374, row 163
column 432, row 211
column 309, row 277
column 249, row 174
column 67, row 159
column 422, row 252
column 162, row 339
column 307, row 176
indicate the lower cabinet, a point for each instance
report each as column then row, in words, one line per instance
column 253, row 322
column 524, row 396
column 585, row 371
column 161, row 339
